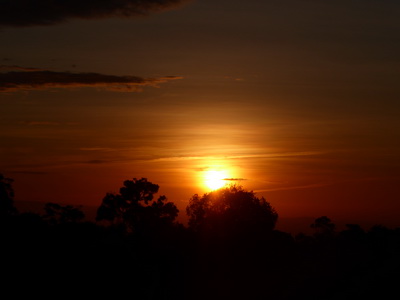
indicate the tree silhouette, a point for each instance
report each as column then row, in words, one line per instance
column 323, row 227
column 135, row 208
column 6, row 197
column 231, row 209
column 58, row 214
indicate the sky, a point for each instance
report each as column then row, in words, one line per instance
column 296, row 100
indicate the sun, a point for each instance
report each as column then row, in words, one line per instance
column 214, row 179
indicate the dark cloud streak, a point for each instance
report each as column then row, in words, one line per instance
column 30, row 172
column 19, row 68
column 40, row 123
column 31, row 79
column 22, row 13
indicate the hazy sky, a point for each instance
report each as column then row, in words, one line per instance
column 297, row 99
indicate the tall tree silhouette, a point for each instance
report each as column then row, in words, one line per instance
column 231, row 209
column 135, row 208
column 7, row 207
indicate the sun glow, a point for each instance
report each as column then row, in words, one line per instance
column 214, row 179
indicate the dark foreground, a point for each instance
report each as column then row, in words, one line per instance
column 84, row 259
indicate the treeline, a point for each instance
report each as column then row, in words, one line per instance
column 230, row 249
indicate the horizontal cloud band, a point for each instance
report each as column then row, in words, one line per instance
column 43, row 79
column 49, row 12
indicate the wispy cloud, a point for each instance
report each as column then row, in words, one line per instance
column 244, row 156
column 37, row 79
column 18, row 68
column 44, row 12
column 41, row 123
column 97, row 149
column 324, row 184
column 30, row 172
column 297, row 187
column 97, row 161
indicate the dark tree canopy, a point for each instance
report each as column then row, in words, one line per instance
column 231, row 209
column 323, row 227
column 6, row 197
column 135, row 207
column 58, row 214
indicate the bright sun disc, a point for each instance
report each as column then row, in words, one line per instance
column 215, row 179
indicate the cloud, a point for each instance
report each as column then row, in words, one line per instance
column 37, row 79
column 297, row 187
column 21, row 13
column 47, row 123
column 324, row 184
column 96, row 149
column 244, row 156
column 97, row 161
column 18, row 68
column 40, row 123
column 30, row 172
column 234, row 179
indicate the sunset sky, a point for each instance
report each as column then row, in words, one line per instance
column 297, row 100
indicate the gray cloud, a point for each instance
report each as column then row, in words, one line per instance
column 36, row 79
column 48, row 12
